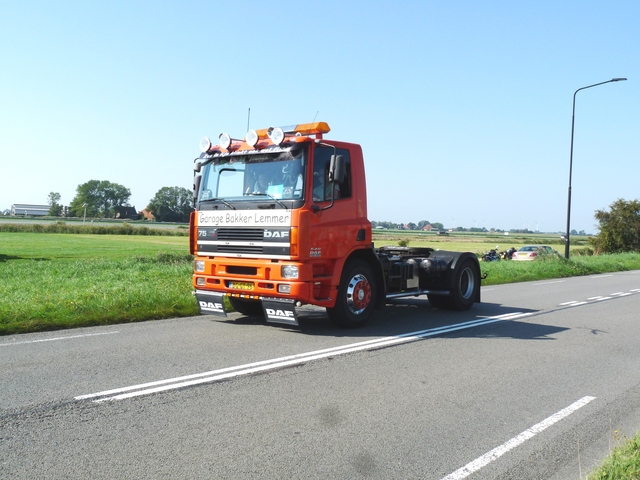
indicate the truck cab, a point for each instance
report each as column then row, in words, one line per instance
column 281, row 221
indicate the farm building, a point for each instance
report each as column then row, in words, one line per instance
column 30, row 210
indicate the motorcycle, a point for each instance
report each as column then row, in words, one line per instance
column 508, row 254
column 491, row 256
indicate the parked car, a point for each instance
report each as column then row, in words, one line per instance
column 532, row 252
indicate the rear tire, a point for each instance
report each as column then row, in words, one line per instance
column 466, row 283
column 250, row 308
column 356, row 296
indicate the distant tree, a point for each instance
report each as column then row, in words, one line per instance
column 55, row 209
column 422, row 224
column 437, row 226
column 389, row 225
column 619, row 228
column 172, row 204
column 99, row 197
column 412, row 226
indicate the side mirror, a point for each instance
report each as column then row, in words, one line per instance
column 337, row 169
column 196, row 188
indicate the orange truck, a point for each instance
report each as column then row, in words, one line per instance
column 280, row 221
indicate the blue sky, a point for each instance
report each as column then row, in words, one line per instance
column 463, row 108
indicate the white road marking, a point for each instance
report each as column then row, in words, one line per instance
column 599, row 298
column 70, row 337
column 276, row 363
column 600, row 276
column 548, row 283
column 497, row 452
column 572, row 303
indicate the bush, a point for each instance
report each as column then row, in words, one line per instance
column 619, row 228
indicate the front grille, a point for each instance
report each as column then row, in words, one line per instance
column 240, row 249
column 240, row 234
column 243, row 241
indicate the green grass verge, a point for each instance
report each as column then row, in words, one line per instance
column 50, row 295
column 509, row 271
column 622, row 463
column 57, row 280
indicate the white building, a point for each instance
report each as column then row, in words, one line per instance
column 30, row 210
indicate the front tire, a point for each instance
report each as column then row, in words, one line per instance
column 356, row 296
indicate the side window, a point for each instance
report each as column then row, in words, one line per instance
column 321, row 184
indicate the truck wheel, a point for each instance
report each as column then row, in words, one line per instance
column 466, row 283
column 251, row 308
column 356, row 296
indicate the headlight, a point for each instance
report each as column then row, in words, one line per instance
column 252, row 138
column 224, row 140
column 276, row 134
column 205, row 144
column 289, row 271
column 198, row 266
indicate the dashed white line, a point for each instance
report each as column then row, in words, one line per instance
column 573, row 303
column 548, row 282
column 54, row 339
column 599, row 298
column 277, row 363
column 497, row 452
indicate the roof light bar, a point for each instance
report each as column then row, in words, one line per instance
column 314, row 128
column 277, row 135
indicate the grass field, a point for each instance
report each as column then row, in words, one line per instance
column 56, row 280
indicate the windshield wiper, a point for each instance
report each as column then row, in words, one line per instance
column 283, row 205
column 219, row 200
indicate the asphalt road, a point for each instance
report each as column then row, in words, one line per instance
column 536, row 382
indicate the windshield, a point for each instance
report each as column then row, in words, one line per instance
column 243, row 177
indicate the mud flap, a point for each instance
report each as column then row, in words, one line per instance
column 210, row 303
column 280, row 311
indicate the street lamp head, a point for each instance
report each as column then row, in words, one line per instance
column 618, row 79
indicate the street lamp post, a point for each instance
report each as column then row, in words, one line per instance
column 573, row 118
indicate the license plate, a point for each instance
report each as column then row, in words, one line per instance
column 242, row 285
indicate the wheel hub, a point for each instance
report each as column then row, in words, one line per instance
column 358, row 294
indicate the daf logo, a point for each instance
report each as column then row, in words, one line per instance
column 210, row 305
column 276, row 234
column 279, row 313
